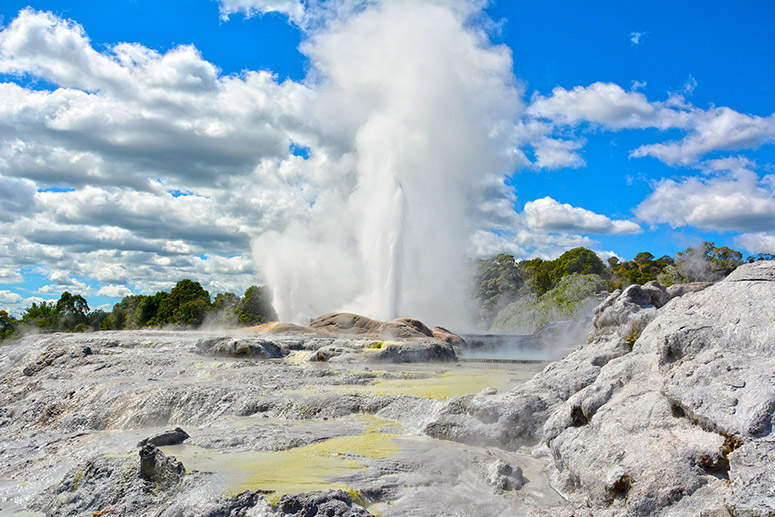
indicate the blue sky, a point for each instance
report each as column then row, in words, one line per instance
column 629, row 126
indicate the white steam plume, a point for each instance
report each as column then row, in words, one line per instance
column 426, row 105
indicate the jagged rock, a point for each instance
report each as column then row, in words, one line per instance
column 173, row 437
column 517, row 417
column 157, row 467
column 669, row 408
column 333, row 503
column 411, row 352
column 691, row 409
column 761, row 271
column 503, row 476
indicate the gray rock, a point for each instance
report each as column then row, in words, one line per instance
column 159, row 468
column 173, row 437
column 668, row 409
column 333, row 503
column 677, row 290
column 761, row 271
column 503, row 476
column 682, row 424
column 247, row 348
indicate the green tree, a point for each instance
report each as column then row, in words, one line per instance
column 256, row 307
column 43, row 315
column 96, row 318
column 577, row 260
column 539, row 274
column 225, row 309
column 8, row 325
column 186, row 304
column 706, row 262
column 496, row 278
column 72, row 310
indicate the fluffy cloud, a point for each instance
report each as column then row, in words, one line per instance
column 609, row 106
column 606, row 104
column 550, row 215
column 760, row 242
column 554, row 153
column 712, row 130
column 130, row 115
column 524, row 243
column 17, row 198
column 114, row 291
column 736, row 199
column 9, row 297
column 127, row 131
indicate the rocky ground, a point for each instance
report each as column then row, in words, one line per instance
column 272, row 424
column 667, row 409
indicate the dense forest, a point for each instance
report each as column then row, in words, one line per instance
column 511, row 295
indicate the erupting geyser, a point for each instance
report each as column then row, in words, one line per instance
column 422, row 108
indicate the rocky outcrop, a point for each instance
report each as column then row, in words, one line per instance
column 159, row 468
column 333, row 503
column 173, row 437
column 241, row 347
column 667, row 410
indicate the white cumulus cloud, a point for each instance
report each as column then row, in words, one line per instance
column 550, row 215
column 737, row 199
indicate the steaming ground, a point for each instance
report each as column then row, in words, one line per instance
column 75, row 403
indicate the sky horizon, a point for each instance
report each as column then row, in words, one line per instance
column 147, row 142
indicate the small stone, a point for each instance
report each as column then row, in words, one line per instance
column 504, row 477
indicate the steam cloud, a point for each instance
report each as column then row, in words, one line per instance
column 424, row 105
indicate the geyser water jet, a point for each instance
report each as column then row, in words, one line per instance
column 425, row 105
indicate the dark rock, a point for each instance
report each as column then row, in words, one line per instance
column 333, row 503
column 243, row 348
column 157, row 467
column 173, row 437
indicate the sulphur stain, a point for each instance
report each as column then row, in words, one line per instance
column 316, row 466
column 438, row 385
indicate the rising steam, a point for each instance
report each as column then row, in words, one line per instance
column 423, row 104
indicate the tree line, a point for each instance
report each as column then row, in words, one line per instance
column 563, row 285
column 187, row 305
